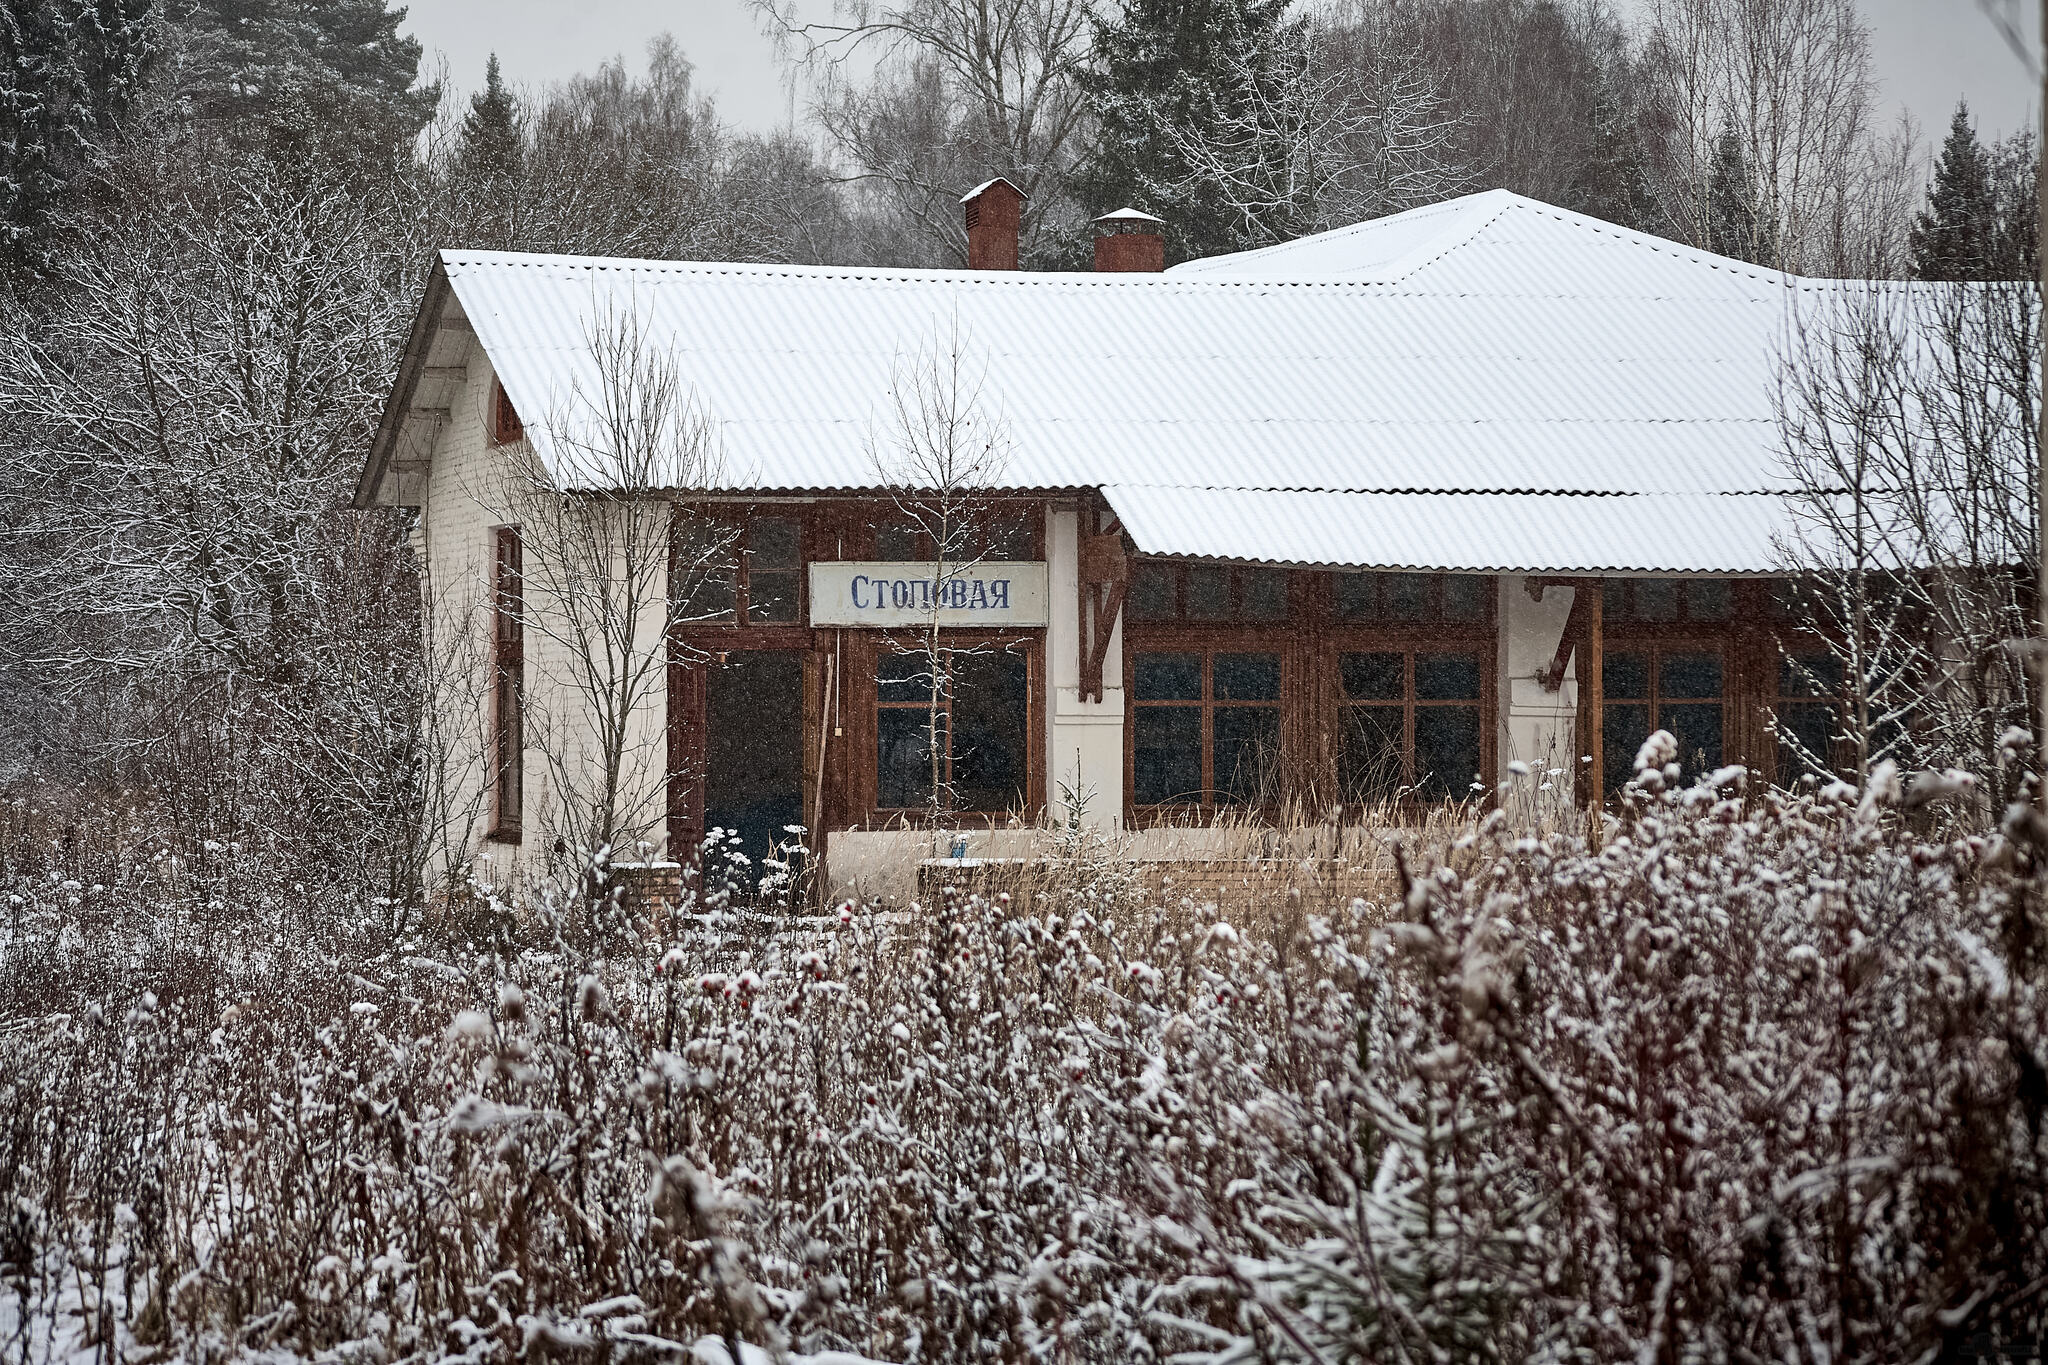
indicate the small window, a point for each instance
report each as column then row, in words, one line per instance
column 998, row 534
column 1410, row 725
column 1205, row 594
column 972, row 749
column 505, row 424
column 1664, row 601
column 1205, row 728
column 508, row 685
column 1397, row 598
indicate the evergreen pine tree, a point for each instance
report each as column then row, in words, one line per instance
column 1736, row 225
column 70, row 71
column 491, row 144
column 1162, row 65
column 275, row 73
column 1956, row 236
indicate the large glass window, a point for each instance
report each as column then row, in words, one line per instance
column 972, row 749
column 1410, row 725
column 1678, row 687
column 1205, row 728
column 1808, row 713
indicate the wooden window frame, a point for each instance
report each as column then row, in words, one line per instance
column 1234, row 617
column 507, row 763
column 1409, row 640
column 1207, row 641
column 793, row 634
column 861, row 679
column 505, row 425
column 1433, row 616
column 1687, row 638
column 1030, row 512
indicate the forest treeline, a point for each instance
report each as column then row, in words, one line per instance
column 216, row 216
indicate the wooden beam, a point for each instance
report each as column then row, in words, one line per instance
column 1592, row 658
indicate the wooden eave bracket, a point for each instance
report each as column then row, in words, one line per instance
column 1551, row 675
column 1105, row 577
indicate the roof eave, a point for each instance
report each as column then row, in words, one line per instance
column 412, row 362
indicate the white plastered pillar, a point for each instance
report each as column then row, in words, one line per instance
column 1084, row 739
column 1537, row 726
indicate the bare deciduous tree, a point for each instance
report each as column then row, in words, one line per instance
column 1909, row 422
column 609, row 575
column 944, row 450
column 923, row 98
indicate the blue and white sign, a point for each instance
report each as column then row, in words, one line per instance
column 994, row 594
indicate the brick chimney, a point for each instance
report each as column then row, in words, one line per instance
column 994, row 211
column 1129, row 240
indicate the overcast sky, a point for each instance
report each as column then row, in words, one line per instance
column 1928, row 53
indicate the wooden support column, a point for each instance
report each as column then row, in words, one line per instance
column 1591, row 656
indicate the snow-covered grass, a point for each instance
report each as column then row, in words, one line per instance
column 1751, row 1079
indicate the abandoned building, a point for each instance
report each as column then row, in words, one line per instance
column 1353, row 522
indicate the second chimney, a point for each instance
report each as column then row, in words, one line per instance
column 1129, row 240
column 994, row 211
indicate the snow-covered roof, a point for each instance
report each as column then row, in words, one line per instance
column 1485, row 384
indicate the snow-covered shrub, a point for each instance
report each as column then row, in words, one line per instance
column 1750, row 1079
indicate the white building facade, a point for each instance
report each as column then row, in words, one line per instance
column 1378, row 519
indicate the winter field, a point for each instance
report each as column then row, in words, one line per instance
column 1756, row 1077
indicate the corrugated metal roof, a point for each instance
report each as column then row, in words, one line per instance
column 1534, row 533
column 1490, row 346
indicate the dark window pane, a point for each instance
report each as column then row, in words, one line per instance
column 1247, row 752
column 1166, row 754
column 1697, row 728
column 1247, row 677
column 1373, row 677
column 1447, row 677
column 707, row 593
column 1150, row 596
column 1008, row 536
column 1810, row 675
column 1265, row 594
column 1369, row 753
column 1706, row 599
column 1407, row 596
column 1465, row 596
column 1167, row 677
column 772, row 596
column 1625, row 676
column 1622, row 732
column 897, row 542
column 903, row 756
column 1807, row 745
column 904, row 677
column 1208, row 592
column 1446, row 751
column 988, row 705
column 1785, row 599
column 1613, row 599
column 1689, row 675
column 1656, row 599
column 772, row 543
column 1354, row 595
